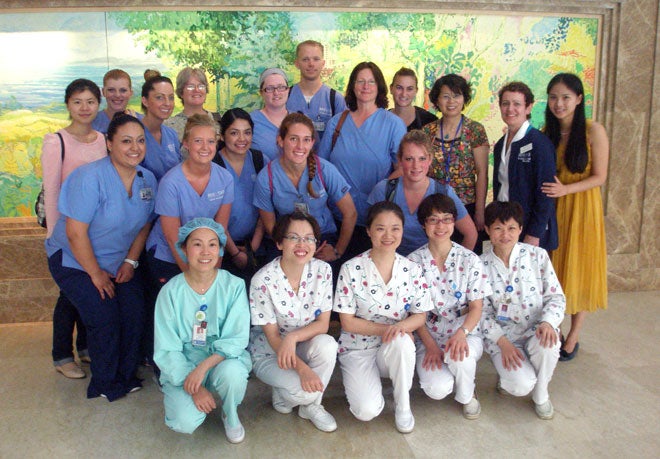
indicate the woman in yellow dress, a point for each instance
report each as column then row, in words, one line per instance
column 582, row 156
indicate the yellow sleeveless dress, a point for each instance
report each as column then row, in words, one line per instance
column 581, row 258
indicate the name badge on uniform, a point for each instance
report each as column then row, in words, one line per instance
column 199, row 327
column 301, row 207
column 199, row 334
column 146, row 194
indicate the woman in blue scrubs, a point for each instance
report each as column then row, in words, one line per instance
column 364, row 142
column 300, row 180
column 106, row 210
column 413, row 186
column 243, row 163
column 163, row 151
column 195, row 188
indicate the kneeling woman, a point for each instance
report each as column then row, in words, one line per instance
column 290, row 303
column 455, row 277
column 381, row 301
column 202, row 327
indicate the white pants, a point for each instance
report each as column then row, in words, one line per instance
column 320, row 353
column 437, row 384
column 362, row 370
column 536, row 371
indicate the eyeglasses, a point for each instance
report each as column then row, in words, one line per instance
column 272, row 89
column 192, row 87
column 438, row 220
column 365, row 82
column 300, row 239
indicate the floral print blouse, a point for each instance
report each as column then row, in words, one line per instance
column 462, row 169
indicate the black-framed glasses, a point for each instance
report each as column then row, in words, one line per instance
column 438, row 220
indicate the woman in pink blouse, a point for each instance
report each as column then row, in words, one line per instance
column 61, row 153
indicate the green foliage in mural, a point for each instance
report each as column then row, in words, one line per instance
column 234, row 47
column 229, row 45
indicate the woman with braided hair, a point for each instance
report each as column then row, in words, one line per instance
column 300, row 180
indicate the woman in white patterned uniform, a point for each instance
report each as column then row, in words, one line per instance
column 455, row 277
column 290, row 303
column 380, row 302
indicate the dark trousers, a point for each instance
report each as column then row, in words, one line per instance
column 114, row 327
column 65, row 319
column 159, row 273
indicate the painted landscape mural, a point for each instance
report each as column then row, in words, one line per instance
column 234, row 47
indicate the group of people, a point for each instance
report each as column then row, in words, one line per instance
column 317, row 204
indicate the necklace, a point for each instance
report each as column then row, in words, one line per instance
column 447, row 152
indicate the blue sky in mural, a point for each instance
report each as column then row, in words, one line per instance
column 61, row 47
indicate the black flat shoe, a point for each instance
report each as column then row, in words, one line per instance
column 566, row 356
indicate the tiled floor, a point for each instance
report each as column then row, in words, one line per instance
column 606, row 405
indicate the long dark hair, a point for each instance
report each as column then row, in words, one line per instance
column 576, row 156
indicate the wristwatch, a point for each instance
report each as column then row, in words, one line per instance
column 133, row 263
column 466, row 331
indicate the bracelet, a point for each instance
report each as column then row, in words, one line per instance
column 336, row 253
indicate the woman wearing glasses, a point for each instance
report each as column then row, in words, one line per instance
column 362, row 143
column 412, row 187
column 300, row 180
column 274, row 89
column 191, row 89
column 290, row 303
column 451, row 343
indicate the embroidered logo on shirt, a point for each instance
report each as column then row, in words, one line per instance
column 525, row 154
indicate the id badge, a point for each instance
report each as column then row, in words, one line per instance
column 301, row 207
column 146, row 194
column 199, row 334
column 319, row 126
column 503, row 310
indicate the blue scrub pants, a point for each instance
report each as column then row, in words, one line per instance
column 114, row 328
column 65, row 319
column 228, row 379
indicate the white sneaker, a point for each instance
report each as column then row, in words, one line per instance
column 545, row 410
column 405, row 422
column 321, row 419
column 279, row 404
column 234, row 434
column 472, row 409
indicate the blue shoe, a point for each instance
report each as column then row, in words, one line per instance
column 566, row 356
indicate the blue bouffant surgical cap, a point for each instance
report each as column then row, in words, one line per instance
column 197, row 223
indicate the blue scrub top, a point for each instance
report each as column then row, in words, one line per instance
column 163, row 156
column 286, row 197
column 101, row 122
column 318, row 109
column 264, row 136
column 364, row 156
column 177, row 198
column 414, row 235
column 244, row 216
column 94, row 194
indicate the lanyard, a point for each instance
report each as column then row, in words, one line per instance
column 447, row 153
